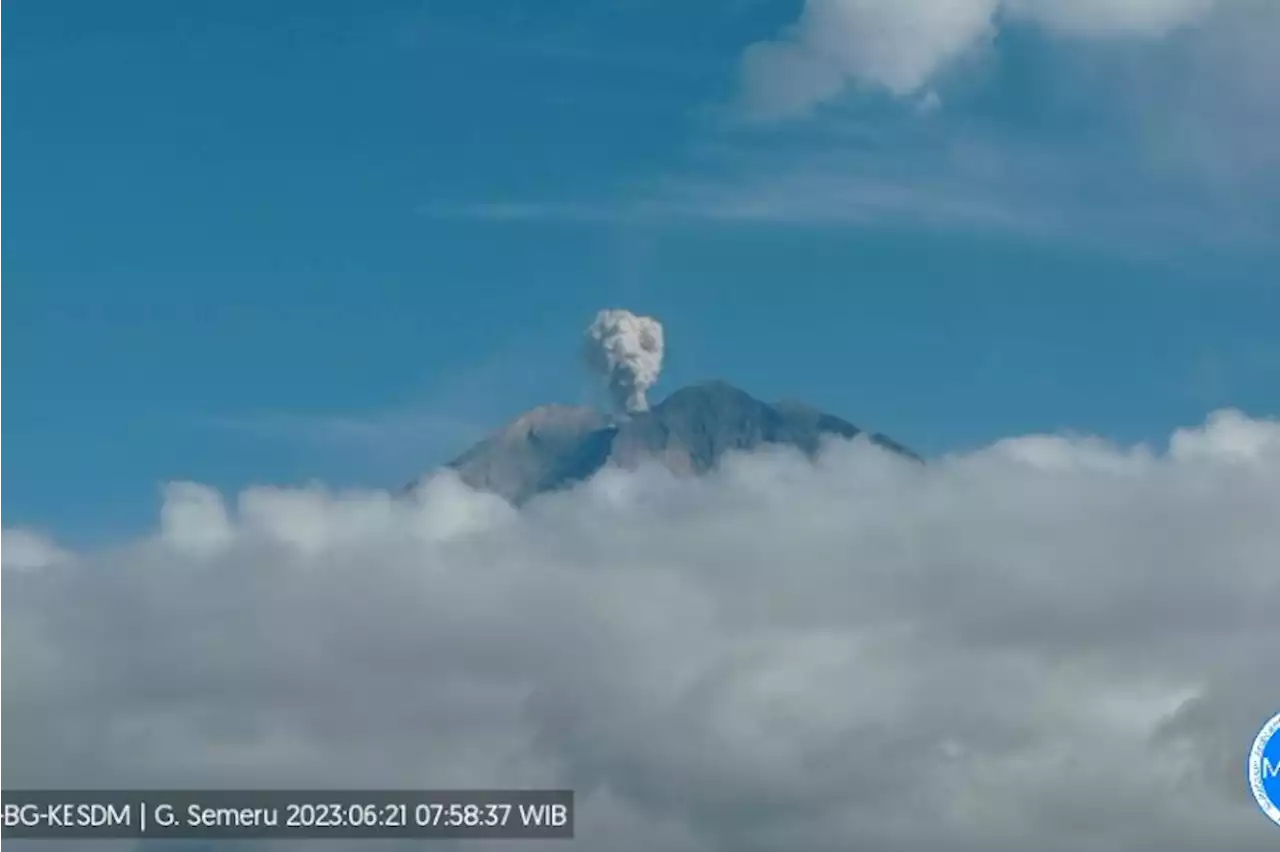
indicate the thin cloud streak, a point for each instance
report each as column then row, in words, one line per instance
column 1167, row 151
column 816, row 198
column 530, row 211
column 377, row 428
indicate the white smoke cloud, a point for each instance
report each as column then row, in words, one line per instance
column 901, row 45
column 1048, row 644
column 626, row 351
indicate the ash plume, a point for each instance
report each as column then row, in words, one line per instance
column 626, row 351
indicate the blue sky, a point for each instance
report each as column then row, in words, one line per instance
column 341, row 241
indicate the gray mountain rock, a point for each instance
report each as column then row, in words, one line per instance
column 554, row 447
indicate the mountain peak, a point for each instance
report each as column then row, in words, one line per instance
column 714, row 392
column 553, row 447
column 711, row 386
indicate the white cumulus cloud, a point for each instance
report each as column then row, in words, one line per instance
column 901, row 45
column 1048, row 644
column 26, row 549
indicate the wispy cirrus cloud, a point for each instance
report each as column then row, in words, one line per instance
column 367, row 428
column 533, row 210
column 392, row 442
column 974, row 182
column 447, row 415
column 1150, row 131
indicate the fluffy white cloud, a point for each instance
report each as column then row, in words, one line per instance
column 26, row 549
column 901, row 45
column 898, row 45
column 1049, row 644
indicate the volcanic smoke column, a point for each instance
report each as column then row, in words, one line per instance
column 626, row 351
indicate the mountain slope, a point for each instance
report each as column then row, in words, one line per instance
column 553, row 447
column 695, row 426
column 542, row 450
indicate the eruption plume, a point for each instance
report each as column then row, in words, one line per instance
column 626, row 351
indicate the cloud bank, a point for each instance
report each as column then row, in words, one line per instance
column 901, row 45
column 1049, row 644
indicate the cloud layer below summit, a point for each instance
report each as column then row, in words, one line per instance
column 1049, row 643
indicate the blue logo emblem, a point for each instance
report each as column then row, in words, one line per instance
column 1264, row 769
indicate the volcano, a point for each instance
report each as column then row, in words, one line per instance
column 554, row 447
